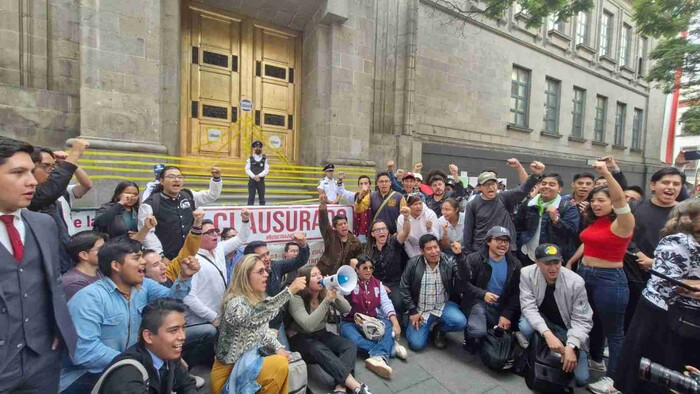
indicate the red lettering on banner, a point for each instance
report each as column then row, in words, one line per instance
column 292, row 221
column 264, row 217
column 305, row 220
column 220, row 216
column 77, row 223
column 279, row 224
column 253, row 224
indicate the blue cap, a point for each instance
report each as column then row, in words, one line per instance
column 158, row 168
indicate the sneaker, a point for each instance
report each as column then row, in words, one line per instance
column 522, row 341
column 439, row 339
column 606, row 352
column 363, row 389
column 400, row 351
column 199, row 382
column 377, row 365
column 604, row 386
column 596, row 366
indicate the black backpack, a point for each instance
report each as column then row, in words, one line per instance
column 497, row 349
column 543, row 372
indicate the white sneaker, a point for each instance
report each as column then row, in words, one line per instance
column 522, row 341
column 400, row 350
column 596, row 366
column 606, row 352
column 377, row 365
column 199, row 382
column 604, row 386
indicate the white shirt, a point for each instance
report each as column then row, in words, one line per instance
column 454, row 233
column 5, row 237
column 330, row 186
column 257, row 158
column 208, row 287
column 418, row 229
column 66, row 205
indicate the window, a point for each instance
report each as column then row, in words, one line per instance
column 606, row 30
column 551, row 106
column 582, row 28
column 601, row 112
column 620, row 124
column 641, row 55
column 519, row 95
column 579, row 111
column 625, row 46
column 554, row 23
column 637, row 128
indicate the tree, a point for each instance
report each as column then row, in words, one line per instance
column 536, row 10
column 677, row 56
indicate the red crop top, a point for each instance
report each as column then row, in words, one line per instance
column 600, row 242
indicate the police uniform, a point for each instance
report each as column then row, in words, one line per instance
column 256, row 166
column 329, row 186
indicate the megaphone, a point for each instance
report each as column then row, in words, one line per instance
column 344, row 281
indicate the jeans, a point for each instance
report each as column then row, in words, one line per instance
column 481, row 317
column 581, row 373
column 334, row 354
column 396, row 298
column 608, row 295
column 282, row 337
column 452, row 319
column 382, row 347
column 199, row 345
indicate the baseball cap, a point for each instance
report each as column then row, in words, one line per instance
column 547, row 252
column 498, row 231
column 485, row 177
column 418, row 176
column 450, row 182
column 409, row 175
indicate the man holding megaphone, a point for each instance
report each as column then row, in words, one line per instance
column 428, row 287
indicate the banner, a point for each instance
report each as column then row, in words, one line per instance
column 274, row 225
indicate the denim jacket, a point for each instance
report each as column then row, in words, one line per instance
column 107, row 324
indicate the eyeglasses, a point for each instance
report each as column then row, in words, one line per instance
column 214, row 231
column 46, row 166
column 489, row 184
column 380, row 230
column 501, row 241
column 368, row 268
column 261, row 271
column 173, row 177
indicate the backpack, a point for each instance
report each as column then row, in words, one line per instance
column 297, row 374
column 118, row 364
column 543, row 372
column 155, row 201
column 497, row 351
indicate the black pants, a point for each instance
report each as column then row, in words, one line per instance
column 396, row 298
column 334, row 354
column 30, row 372
column 252, row 187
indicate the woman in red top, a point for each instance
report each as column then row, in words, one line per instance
column 610, row 227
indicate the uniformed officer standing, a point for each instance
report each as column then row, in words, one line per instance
column 257, row 168
column 330, row 186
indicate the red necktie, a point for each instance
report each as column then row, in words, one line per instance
column 15, row 239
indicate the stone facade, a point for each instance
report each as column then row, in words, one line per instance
column 380, row 79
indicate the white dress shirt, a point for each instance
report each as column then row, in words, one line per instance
column 5, row 236
column 257, row 158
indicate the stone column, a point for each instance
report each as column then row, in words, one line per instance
column 120, row 83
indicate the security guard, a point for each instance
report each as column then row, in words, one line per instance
column 257, row 168
column 329, row 185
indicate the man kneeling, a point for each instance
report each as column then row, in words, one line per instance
column 161, row 336
column 554, row 303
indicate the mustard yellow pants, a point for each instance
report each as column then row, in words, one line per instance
column 273, row 377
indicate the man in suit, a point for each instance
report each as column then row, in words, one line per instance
column 34, row 321
column 161, row 336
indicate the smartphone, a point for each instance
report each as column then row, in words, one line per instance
column 590, row 162
column 675, row 282
column 692, row 155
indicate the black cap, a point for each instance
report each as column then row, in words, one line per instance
column 329, row 167
column 257, row 144
column 548, row 252
column 450, row 182
column 497, row 232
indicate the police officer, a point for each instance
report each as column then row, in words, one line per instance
column 330, row 186
column 257, row 168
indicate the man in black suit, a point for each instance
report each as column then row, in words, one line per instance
column 161, row 336
column 34, row 320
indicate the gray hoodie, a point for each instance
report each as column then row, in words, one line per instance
column 570, row 296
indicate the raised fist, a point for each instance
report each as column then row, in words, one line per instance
column 188, row 267
column 198, row 215
column 390, row 165
column 513, row 163
column 456, row 248
column 245, row 215
column 299, row 238
column 405, row 211
column 150, row 222
column 79, row 145
column 454, row 170
column 215, row 171
column 537, row 167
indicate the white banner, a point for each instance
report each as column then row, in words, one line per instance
column 272, row 224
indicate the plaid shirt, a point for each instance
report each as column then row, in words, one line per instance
column 432, row 293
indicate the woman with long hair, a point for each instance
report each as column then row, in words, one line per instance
column 653, row 332
column 119, row 216
column 245, row 335
column 421, row 219
column 308, row 335
column 604, row 243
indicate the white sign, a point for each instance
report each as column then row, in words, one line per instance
column 275, row 141
column 246, row 105
column 213, row 134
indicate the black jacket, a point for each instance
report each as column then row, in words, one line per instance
column 413, row 275
column 109, row 220
column 475, row 273
column 128, row 380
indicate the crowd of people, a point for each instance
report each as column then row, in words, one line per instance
column 156, row 288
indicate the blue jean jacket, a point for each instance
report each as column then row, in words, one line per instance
column 243, row 378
